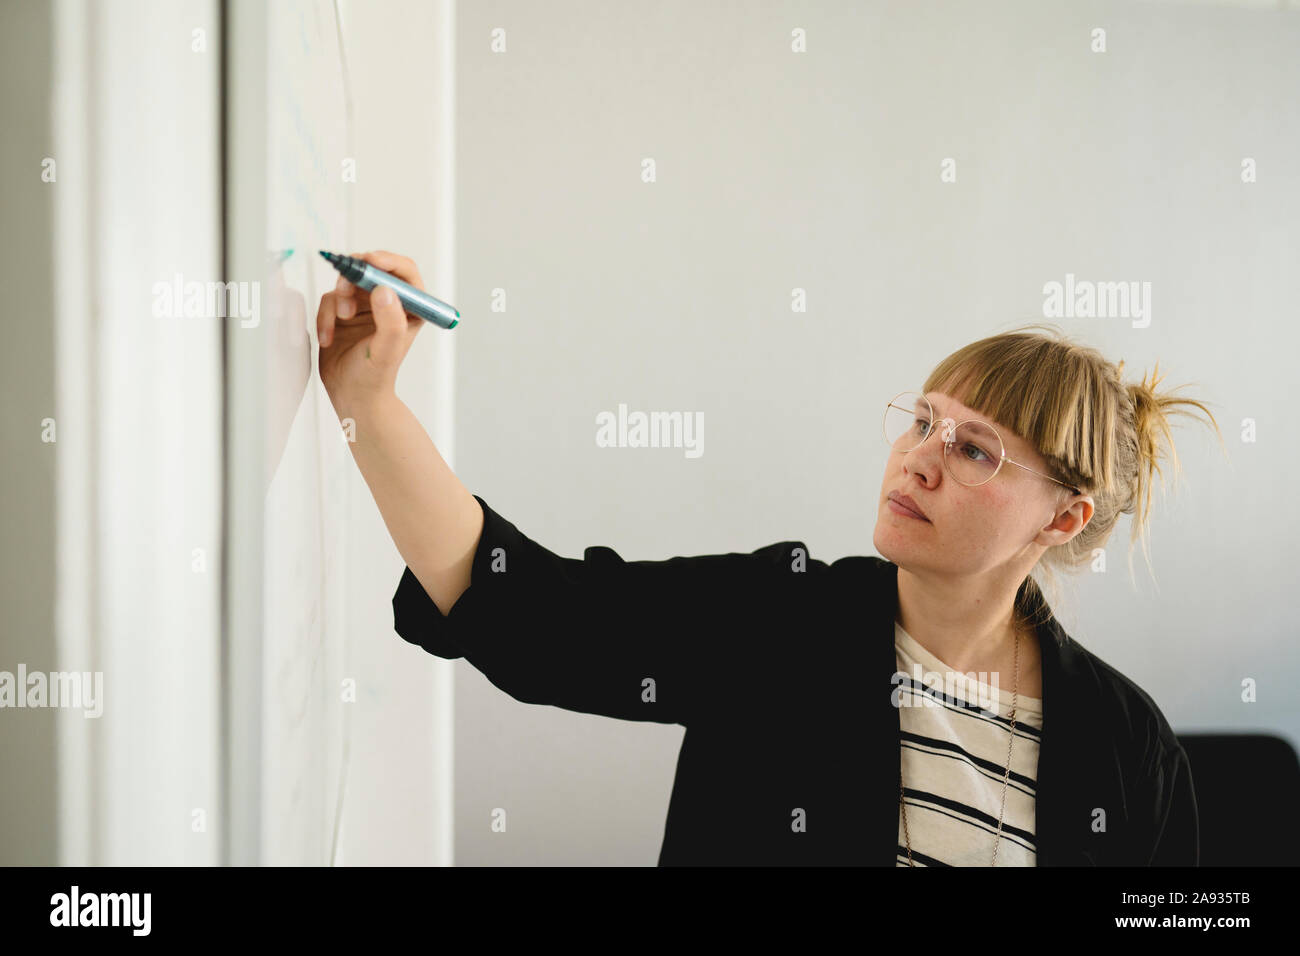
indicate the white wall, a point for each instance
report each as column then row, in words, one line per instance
column 399, row 803
column 820, row 171
column 114, row 548
column 139, row 417
column 317, row 777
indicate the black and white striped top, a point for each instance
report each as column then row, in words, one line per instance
column 954, row 755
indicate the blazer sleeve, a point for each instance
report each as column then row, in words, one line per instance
column 635, row 640
column 1177, row 826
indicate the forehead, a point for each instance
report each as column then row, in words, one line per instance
column 947, row 407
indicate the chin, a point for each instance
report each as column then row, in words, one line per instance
column 892, row 547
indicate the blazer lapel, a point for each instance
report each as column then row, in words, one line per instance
column 1070, row 757
column 1066, row 751
column 1048, row 826
column 883, row 850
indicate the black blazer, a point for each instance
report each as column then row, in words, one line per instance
column 780, row 667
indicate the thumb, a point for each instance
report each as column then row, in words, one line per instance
column 390, row 326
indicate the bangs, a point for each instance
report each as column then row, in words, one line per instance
column 1047, row 394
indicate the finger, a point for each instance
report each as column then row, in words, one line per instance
column 325, row 320
column 400, row 266
column 353, row 302
column 390, row 326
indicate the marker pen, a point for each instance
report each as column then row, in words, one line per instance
column 365, row 276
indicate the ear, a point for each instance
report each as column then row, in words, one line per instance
column 1073, row 512
column 1072, row 516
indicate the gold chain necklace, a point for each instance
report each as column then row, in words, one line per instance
column 997, row 839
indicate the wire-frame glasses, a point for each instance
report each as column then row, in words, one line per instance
column 973, row 451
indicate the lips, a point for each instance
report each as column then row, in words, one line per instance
column 906, row 502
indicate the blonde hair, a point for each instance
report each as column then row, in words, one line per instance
column 1095, row 432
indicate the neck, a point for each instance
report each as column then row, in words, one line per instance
column 958, row 620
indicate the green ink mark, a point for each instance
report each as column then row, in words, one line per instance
column 367, row 351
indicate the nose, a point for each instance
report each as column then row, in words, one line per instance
column 926, row 459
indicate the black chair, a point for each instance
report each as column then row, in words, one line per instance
column 1247, row 795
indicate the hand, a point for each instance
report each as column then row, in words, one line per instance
column 364, row 335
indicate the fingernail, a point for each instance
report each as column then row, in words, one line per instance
column 384, row 296
column 346, row 308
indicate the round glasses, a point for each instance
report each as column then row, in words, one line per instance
column 972, row 450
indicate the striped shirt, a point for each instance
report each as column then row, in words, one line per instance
column 954, row 755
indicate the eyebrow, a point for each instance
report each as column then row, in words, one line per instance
column 978, row 417
column 1002, row 429
column 932, row 405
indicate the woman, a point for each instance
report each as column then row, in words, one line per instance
column 924, row 708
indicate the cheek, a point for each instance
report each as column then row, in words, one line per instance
column 993, row 512
column 1009, row 518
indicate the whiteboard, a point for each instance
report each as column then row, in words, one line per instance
column 288, row 461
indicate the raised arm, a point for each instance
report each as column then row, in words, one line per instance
column 433, row 519
column 640, row 640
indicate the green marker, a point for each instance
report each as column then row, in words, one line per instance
column 419, row 304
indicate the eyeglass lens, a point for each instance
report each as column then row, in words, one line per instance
column 973, row 454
